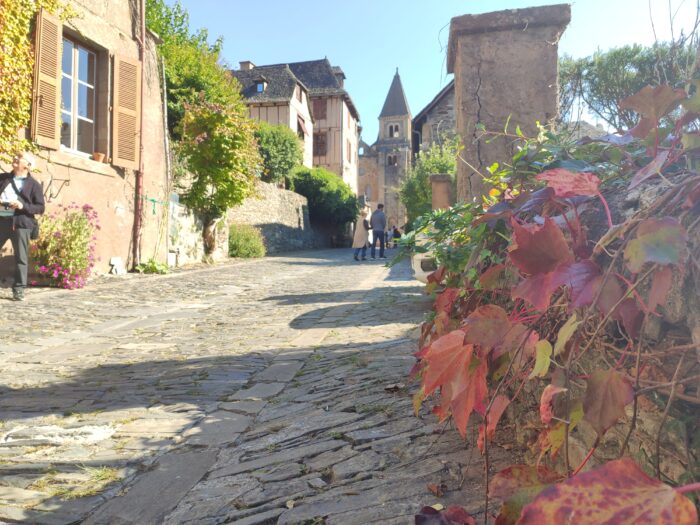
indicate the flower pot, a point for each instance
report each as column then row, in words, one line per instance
column 99, row 157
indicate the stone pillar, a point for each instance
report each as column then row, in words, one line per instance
column 505, row 65
column 441, row 185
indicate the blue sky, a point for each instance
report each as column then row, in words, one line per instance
column 369, row 39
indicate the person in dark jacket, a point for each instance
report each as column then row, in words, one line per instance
column 21, row 198
column 378, row 224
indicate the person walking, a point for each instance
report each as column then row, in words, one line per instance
column 21, row 198
column 359, row 241
column 378, row 224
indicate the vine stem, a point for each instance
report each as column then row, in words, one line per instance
column 607, row 209
column 688, row 488
column 588, row 456
column 665, row 415
column 635, row 407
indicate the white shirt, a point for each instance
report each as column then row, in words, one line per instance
column 9, row 195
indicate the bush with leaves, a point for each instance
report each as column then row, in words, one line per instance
column 245, row 241
column 416, row 192
column 280, row 149
column 64, row 253
column 331, row 201
column 153, row 266
column 543, row 299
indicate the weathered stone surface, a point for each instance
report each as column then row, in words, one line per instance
column 20, row 496
column 218, row 428
column 244, row 407
column 281, row 372
column 259, row 391
column 156, row 492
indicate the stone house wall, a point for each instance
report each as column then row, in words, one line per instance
column 439, row 121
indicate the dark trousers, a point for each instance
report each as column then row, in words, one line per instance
column 363, row 250
column 20, row 246
column 377, row 235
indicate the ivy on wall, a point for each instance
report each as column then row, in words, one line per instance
column 17, row 68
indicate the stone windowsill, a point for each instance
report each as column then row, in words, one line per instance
column 64, row 158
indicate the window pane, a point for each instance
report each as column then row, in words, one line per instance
column 65, row 130
column 86, row 136
column 86, row 66
column 67, row 57
column 86, row 101
column 66, row 92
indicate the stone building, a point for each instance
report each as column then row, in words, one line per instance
column 94, row 91
column 275, row 95
column 384, row 164
column 334, row 134
column 436, row 120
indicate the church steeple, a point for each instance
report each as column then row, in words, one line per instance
column 395, row 104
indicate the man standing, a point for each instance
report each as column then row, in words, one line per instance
column 378, row 224
column 20, row 199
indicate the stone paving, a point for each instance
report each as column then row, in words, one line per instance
column 256, row 392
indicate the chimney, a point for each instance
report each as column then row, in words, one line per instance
column 246, row 65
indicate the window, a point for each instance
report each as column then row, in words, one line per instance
column 320, row 144
column 368, row 192
column 392, row 160
column 260, row 87
column 78, row 97
column 393, row 131
column 349, row 148
column 320, row 109
column 300, row 98
column 70, row 109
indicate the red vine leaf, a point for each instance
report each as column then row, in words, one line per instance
column 643, row 128
column 443, row 306
column 444, row 357
column 452, row 515
column 626, row 312
column 654, row 102
column 607, row 393
column 499, row 405
column 650, row 169
column 546, row 410
column 518, row 335
column 661, row 241
column 468, row 394
column 516, row 486
column 660, row 286
column 566, row 183
column 579, row 277
column 486, row 326
column 438, row 275
column 539, row 249
column 491, row 278
column 616, row 493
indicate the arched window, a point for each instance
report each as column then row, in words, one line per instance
column 392, row 160
column 393, row 131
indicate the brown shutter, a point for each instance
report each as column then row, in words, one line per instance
column 46, row 96
column 126, row 114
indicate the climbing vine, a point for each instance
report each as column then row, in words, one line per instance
column 17, row 66
column 546, row 298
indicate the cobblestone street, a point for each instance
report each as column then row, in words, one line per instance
column 255, row 392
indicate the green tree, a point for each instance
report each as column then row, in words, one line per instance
column 415, row 191
column 214, row 143
column 280, row 149
column 598, row 83
column 331, row 201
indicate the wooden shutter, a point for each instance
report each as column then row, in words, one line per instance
column 126, row 136
column 46, row 95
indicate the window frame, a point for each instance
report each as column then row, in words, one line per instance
column 320, row 138
column 75, row 83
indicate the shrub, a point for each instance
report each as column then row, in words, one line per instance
column 64, row 253
column 245, row 241
column 280, row 149
column 153, row 266
column 331, row 201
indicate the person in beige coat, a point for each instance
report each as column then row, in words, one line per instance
column 359, row 242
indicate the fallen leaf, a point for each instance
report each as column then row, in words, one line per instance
column 394, row 387
column 616, row 493
column 437, row 489
column 452, row 515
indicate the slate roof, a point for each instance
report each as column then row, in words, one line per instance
column 395, row 103
column 317, row 76
column 281, row 82
column 436, row 100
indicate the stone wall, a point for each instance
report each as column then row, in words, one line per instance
column 505, row 67
column 439, row 121
column 185, row 242
column 282, row 217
